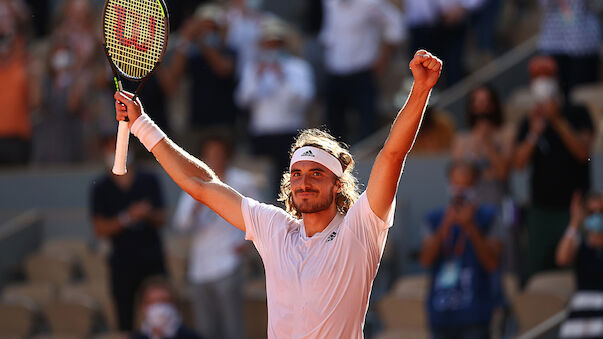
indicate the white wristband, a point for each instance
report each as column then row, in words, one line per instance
column 147, row 131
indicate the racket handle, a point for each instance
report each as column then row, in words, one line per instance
column 121, row 149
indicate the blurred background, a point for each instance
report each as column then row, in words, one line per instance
column 519, row 103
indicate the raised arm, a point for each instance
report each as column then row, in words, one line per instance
column 385, row 175
column 191, row 174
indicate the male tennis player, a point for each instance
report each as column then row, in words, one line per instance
column 321, row 254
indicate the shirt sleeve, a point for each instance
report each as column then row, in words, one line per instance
column 365, row 224
column 262, row 223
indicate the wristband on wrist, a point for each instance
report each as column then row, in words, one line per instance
column 124, row 218
column 147, row 131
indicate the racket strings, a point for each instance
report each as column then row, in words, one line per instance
column 134, row 35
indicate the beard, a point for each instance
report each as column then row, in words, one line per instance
column 318, row 205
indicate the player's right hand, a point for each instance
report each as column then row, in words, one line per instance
column 125, row 107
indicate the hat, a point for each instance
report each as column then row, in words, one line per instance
column 274, row 29
column 210, row 12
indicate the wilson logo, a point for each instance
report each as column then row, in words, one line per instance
column 133, row 26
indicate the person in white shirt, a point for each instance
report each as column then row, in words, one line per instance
column 359, row 37
column 214, row 265
column 277, row 88
column 321, row 254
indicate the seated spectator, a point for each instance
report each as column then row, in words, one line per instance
column 555, row 139
column 436, row 134
column 128, row 210
column 585, row 253
column 277, row 88
column 161, row 319
column 462, row 248
column 214, row 266
column 487, row 144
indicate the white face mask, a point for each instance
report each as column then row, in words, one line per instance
column 161, row 317
column 544, row 89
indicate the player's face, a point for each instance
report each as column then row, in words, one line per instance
column 313, row 186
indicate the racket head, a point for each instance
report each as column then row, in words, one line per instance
column 135, row 36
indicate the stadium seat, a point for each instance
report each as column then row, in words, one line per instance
column 532, row 308
column 94, row 266
column 41, row 293
column 415, row 286
column 558, row 283
column 68, row 247
column 17, row 318
column 97, row 291
column 403, row 314
column 46, row 267
column 71, row 317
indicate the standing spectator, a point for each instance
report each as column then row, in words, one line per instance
column 585, row 253
column 277, row 88
column 359, row 37
column 202, row 54
column 128, row 210
column 555, row 138
column 15, row 87
column 161, row 319
column 487, row 144
column 244, row 22
column 214, row 268
column 570, row 32
column 462, row 248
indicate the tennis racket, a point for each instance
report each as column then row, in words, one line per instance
column 135, row 35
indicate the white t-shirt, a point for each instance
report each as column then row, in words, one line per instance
column 317, row 287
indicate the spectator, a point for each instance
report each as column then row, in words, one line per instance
column 202, row 54
column 487, row 144
column 128, row 210
column 436, row 134
column 462, row 248
column 585, row 319
column 442, row 26
column 555, row 138
column 244, row 22
column 570, row 32
column 277, row 88
column 161, row 319
column 359, row 37
column 15, row 88
column 214, row 265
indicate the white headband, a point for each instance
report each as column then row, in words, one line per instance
column 315, row 154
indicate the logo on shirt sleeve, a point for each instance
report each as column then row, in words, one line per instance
column 331, row 236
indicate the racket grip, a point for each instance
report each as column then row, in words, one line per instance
column 121, row 149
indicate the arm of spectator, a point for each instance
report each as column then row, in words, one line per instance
column 487, row 247
column 498, row 162
column 107, row 227
column 222, row 63
column 530, row 132
column 568, row 246
column 387, row 169
column 577, row 142
column 432, row 242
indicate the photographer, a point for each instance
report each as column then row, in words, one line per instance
column 462, row 248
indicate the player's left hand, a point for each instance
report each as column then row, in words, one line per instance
column 426, row 69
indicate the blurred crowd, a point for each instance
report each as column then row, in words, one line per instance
column 252, row 80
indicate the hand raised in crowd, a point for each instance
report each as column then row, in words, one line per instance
column 139, row 210
column 464, row 214
column 426, row 69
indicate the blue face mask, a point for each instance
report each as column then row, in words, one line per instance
column 594, row 223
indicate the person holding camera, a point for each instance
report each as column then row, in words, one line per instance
column 555, row 138
column 462, row 248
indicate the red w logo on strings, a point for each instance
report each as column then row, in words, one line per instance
column 120, row 28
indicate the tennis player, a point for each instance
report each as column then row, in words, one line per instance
column 321, row 254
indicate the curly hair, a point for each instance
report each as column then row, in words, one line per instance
column 325, row 141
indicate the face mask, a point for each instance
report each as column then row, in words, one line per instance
column 61, row 60
column 544, row 89
column 594, row 223
column 161, row 317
